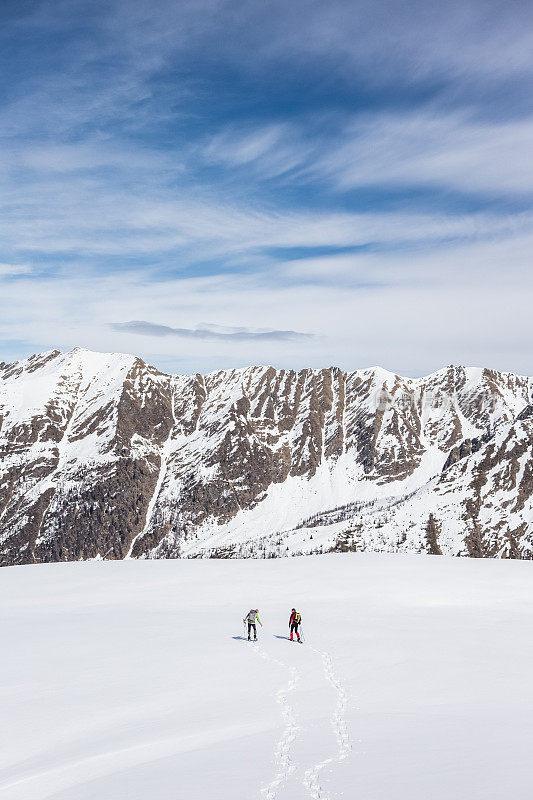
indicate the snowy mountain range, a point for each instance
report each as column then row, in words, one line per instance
column 103, row 456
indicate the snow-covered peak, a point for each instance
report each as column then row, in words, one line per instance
column 105, row 455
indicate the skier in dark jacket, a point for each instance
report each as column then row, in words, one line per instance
column 251, row 618
column 294, row 620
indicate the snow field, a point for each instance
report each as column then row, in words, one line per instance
column 130, row 680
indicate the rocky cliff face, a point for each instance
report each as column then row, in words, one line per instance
column 104, row 456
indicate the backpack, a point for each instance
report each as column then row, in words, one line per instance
column 251, row 615
column 297, row 618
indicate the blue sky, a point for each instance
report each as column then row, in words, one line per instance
column 213, row 184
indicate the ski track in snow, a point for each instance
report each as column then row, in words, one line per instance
column 282, row 753
column 311, row 778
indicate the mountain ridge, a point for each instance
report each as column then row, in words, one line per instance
column 104, row 456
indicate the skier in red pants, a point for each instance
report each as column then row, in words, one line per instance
column 294, row 621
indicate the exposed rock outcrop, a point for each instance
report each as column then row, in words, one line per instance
column 104, row 456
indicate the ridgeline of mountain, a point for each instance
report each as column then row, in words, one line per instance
column 102, row 456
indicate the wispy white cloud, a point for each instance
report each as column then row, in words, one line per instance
column 269, row 151
column 411, row 312
column 10, row 270
column 148, row 136
column 429, row 147
column 433, row 148
column 467, row 265
column 78, row 210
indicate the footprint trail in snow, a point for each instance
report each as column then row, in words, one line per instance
column 282, row 753
column 311, row 778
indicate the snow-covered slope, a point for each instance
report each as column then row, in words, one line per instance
column 102, row 455
column 129, row 680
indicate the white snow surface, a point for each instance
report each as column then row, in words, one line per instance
column 130, row 680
